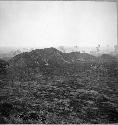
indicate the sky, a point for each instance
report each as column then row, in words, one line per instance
column 57, row 23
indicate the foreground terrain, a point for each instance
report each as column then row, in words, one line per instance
column 50, row 87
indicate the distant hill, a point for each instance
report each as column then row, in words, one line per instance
column 49, row 61
column 48, row 56
column 38, row 57
column 77, row 56
column 107, row 58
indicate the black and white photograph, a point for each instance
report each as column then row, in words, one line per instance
column 58, row 62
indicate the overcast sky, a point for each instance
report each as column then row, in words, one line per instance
column 55, row 23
